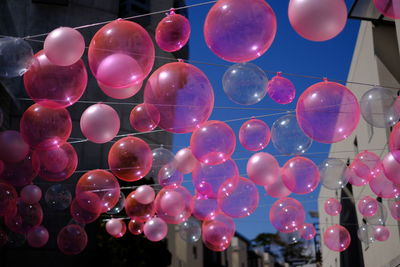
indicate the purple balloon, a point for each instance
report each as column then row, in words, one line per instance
column 31, row 194
column 254, row 135
column 13, row 148
column 281, row 90
column 37, row 237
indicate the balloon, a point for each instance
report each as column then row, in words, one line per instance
column 263, row 169
column 317, row 20
column 144, row 117
column 15, row 57
column 245, row 83
column 213, row 142
column 281, row 90
column 155, row 229
column 394, row 139
column 55, row 86
column 15, row 240
column 380, row 216
column 37, row 236
column 381, row 233
column 394, row 208
column 217, row 231
column 337, row 238
column 31, row 194
column 290, row 238
column 204, row 206
column 183, row 96
column 308, row 231
column 64, row 46
column 116, row 228
column 3, row 238
column 87, row 209
column 366, row 234
column 362, row 168
column 190, row 230
column 57, row 163
column 389, row 8
column 172, row 32
column 121, row 53
column 21, row 173
column 300, row 175
column 332, row 207
column 135, row 227
column 254, row 135
column 367, row 206
column 1, row 117
column 174, row 204
column 145, row 194
column 382, row 186
column 287, row 215
column 119, row 206
column 72, row 239
column 286, row 128
column 26, row 217
column 277, row 189
column 169, row 175
column 185, row 161
column 391, row 166
column 207, row 179
column 238, row 198
column 130, row 159
column 12, row 146
column 162, row 158
column 43, row 128
column 332, row 105
column 137, row 210
column 249, row 37
column 100, row 183
column 120, row 92
column 332, row 173
column 8, row 199
column 58, row 197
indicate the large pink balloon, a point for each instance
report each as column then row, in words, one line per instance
column 367, row 206
column 8, row 199
column 55, row 86
column 13, row 148
column 382, row 186
column 329, row 104
column 155, row 229
column 120, row 92
column 172, row 32
column 21, row 173
column 391, row 166
column 26, row 217
column 263, row 169
column 72, row 239
column 389, row 8
column 182, row 94
column 337, row 238
column 287, row 215
column 144, row 117
column 217, row 231
column 37, row 236
column 185, row 161
column 204, row 206
column 31, row 194
column 332, row 207
column 240, row 31
column 137, row 210
column 363, row 167
column 317, row 20
column 300, row 175
column 116, row 228
column 254, row 135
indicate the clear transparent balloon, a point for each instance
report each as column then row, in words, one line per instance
column 380, row 216
column 119, row 206
column 8, row 199
column 290, row 238
column 15, row 57
column 332, row 173
column 366, row 234
column 58, row 197
column 162, row 157
column 190, row 230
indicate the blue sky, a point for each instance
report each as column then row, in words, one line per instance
column 289, row 53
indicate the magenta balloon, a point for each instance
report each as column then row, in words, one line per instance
column 121, row 92
column 185, row 161
column 281, row 89
column 317, row 20
column 207, row 179
column 367, row 206
column 21, row 173
column 169, row 175
column 332, row 207
column 183, row 96
column 363, row 167
column 155, row 229
column 172, row 32
column 391, row 166
column 12, row 146
column 204, row 207
column 308, row 231
column 145, row 194
column 329, row 104
column 137, row 210
column 116, row 228
column 238, row 198
column 37, row 237
column 277, row 189
column 263, row 169
column 31, row 194
column 135, row 227
column 55, row 86
column 381, row 233
column 240, row 31
column 300, row 175
column 87, row 209
column 64, row 46
column 394, row 140
column 8, row 199
column 121, row 42
column 213, row 142
column 287, row 215
column 254, row 135
column 389, row 8
column 144, row 117
column 43, row 128
column 394, row 208
column 72, row 239
column 217, row 231
column 337, row 238
column 26, row 217
column 382, row 186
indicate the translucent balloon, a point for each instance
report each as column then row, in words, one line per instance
column 217, row 231
column 112, row 45
column 58, row 197
column 183, row 96
column 116, row 228
column 391, row 166
column 254, row 135
column 308, row 231
column 8, row 199
column 119, row 206
column 332, row 173
column 64, row 46
column 317, row 20
column 204, row 206
column 190, row 230
column 155, row 229
column 300, row 175
column 162, row 158
column 137, row 210
column 263, row 169
column 174, row 204
column 207, row 179
column 57, row 163
column 380, row 216
column 12, row 146
column 394, row 208
column 248, row 38
column 389, row 8
column 172, row 32
column 43, row 128
column 55, row 86
column 26, row 217
column 169, row 175
column 366, row 234
column 213, row 142
column 287, row 215
column 120, row 92
column 394, row 140
column 135, row 227
column 281, row 89
column 382, row 186
column 15, row 57
column 286, row 128
column 37, row 237
column 362, row 168
column 3, row 238
column 381, row 233
column 145, row 194
column 329, row 104
column 130, row 158
column 245, row 83
column 72, row 239
column 185, row 161
column 31, row 194
column 277, row 189
column 332, row 207
column 15, row 240
column 290, row 238
column 144, row 117
column 87, row 209
column 367, row 206
column 337, row 238
column 21, row 173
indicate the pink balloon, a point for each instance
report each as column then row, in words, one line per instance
column 86, row 209
column 26, row 217
column 367, row 206
column 254, row 135
column 8, row 199
column 330, row 104
column 394, row 208
column 287, row 215
column 145, row 194
column 391, row 166
column 317, row 20
column 172, row 32
column 281, row 89
column 332, row 207
column 337, row 238
column 185, row 161
column 217, row 231
column 12, row 146
column 169, row 175
column 120, row 92
column 389, row 8
column 135, row 227
column 308, row 231
column 263, row 169
column 37, row 236
column 21, row 173
column 394, row 139
column 204, row 206
column 155, row 229
column 144, row 117
column 381, row 233
column 116, row 228
column 382, row 186
column 300, row 175
column 137, row 210
column 55, row 86
column 248, row 38
column 72, row 239
column 64, row 46
column 277, row 189
column 363, row 167
column 31, row 194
